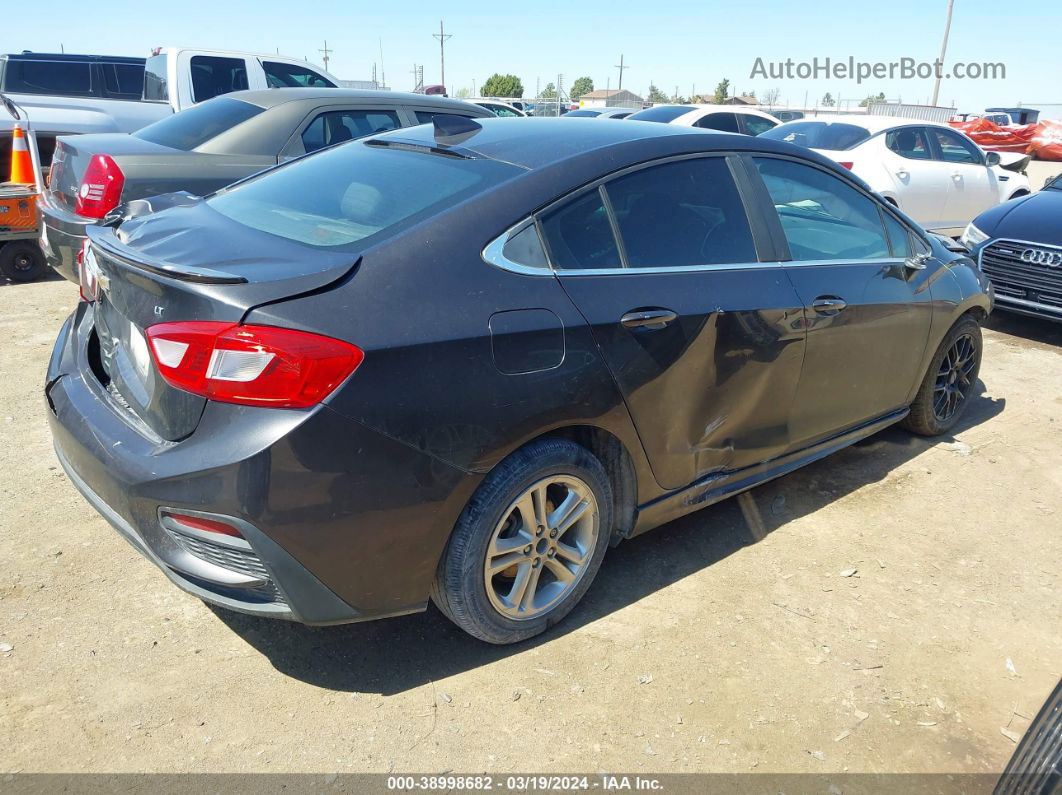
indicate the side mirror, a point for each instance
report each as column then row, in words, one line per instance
column 991, row 158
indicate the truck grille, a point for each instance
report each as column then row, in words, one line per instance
column 1002, row 263
column 238, row 560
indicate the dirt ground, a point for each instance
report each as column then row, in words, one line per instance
column 899, row 612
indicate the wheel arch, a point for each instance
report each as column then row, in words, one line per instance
column 618, row 463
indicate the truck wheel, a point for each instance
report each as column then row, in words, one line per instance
column 528, row 544
column 949, row 382
column 22, row 261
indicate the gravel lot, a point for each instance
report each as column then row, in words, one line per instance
column 894, row 607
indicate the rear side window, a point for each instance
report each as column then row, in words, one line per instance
column 579, row 235
column 286, row 75
column 910, row 142
column 65, row 78
column 124, row 81
column 681, row 214
column 213, row 76
column 724, row 122
column 823, row 217
column 338, row 126
column 354, row 194
column 819, row 135
column 197, row 125
column 662, row 113
column 156, row 87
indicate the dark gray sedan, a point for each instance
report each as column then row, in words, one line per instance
column 209, row 146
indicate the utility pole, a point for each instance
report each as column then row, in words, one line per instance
column 383, row 77
column 943, row 50
column 621, row 67
column 560, row 92
column 326, row 52
column 442, row 36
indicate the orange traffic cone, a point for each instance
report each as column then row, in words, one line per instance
column 21, row 168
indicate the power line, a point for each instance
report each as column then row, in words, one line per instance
column 442, row 36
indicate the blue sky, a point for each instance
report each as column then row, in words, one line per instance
column 681, row 43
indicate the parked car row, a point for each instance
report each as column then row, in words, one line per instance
column 458, row 361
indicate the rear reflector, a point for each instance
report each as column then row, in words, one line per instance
column 251, row 365
column 100, row 189
column 206, row 525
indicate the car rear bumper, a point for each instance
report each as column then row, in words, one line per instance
column 340, row 523
column 61, row 237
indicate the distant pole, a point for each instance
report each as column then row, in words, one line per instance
column 383, row 77
column 943, row 50
column 621, row 67
column 326, row 51
column 442, row 36
column 560, row 91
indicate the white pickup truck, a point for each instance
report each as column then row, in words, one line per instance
column 64, row 94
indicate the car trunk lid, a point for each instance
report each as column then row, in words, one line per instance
column 140, row 286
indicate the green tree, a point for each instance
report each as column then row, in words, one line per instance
column 828, row 101
column 656, row 95
column 549, row 92
column 463, row 93
column 722, row 91
column 872, row 99
column 499, row 85
column 582, row 85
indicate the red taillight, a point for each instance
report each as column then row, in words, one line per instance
column 847, row 164
column 206, row 525
column 100, row 189
column 251, row 365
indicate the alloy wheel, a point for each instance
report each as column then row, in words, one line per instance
column 954, row 378
column 542, row 547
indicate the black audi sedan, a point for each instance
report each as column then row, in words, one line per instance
column 457, row 362
column 1019, row 247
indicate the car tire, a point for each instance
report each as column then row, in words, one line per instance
column 559, row 474
column 22, row 261
column 949, row 382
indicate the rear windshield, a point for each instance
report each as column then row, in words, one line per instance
column 582, row 113
column 663, row 113
column 198, row 124
column 356, row 192
column 819, row 135
column 156, row 88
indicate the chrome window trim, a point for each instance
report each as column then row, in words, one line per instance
column 494, row 252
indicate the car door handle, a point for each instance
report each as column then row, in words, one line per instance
column 828, row 305
column 648, row 318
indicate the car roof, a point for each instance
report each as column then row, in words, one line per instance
column 272, row 97
column 539, row 142
column 71, row 57
column 872, row 124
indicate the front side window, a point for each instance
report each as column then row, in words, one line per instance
column 579, row 235
column 724, row 122
column 823, row 217
column 956, row 149
column 899, row 235
column 286, row 75
column 213, row 76
column 345, row 125
column 754, row 125
column 350, row 196
column 910, row 142
column 123, row 80
column 681, row 214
